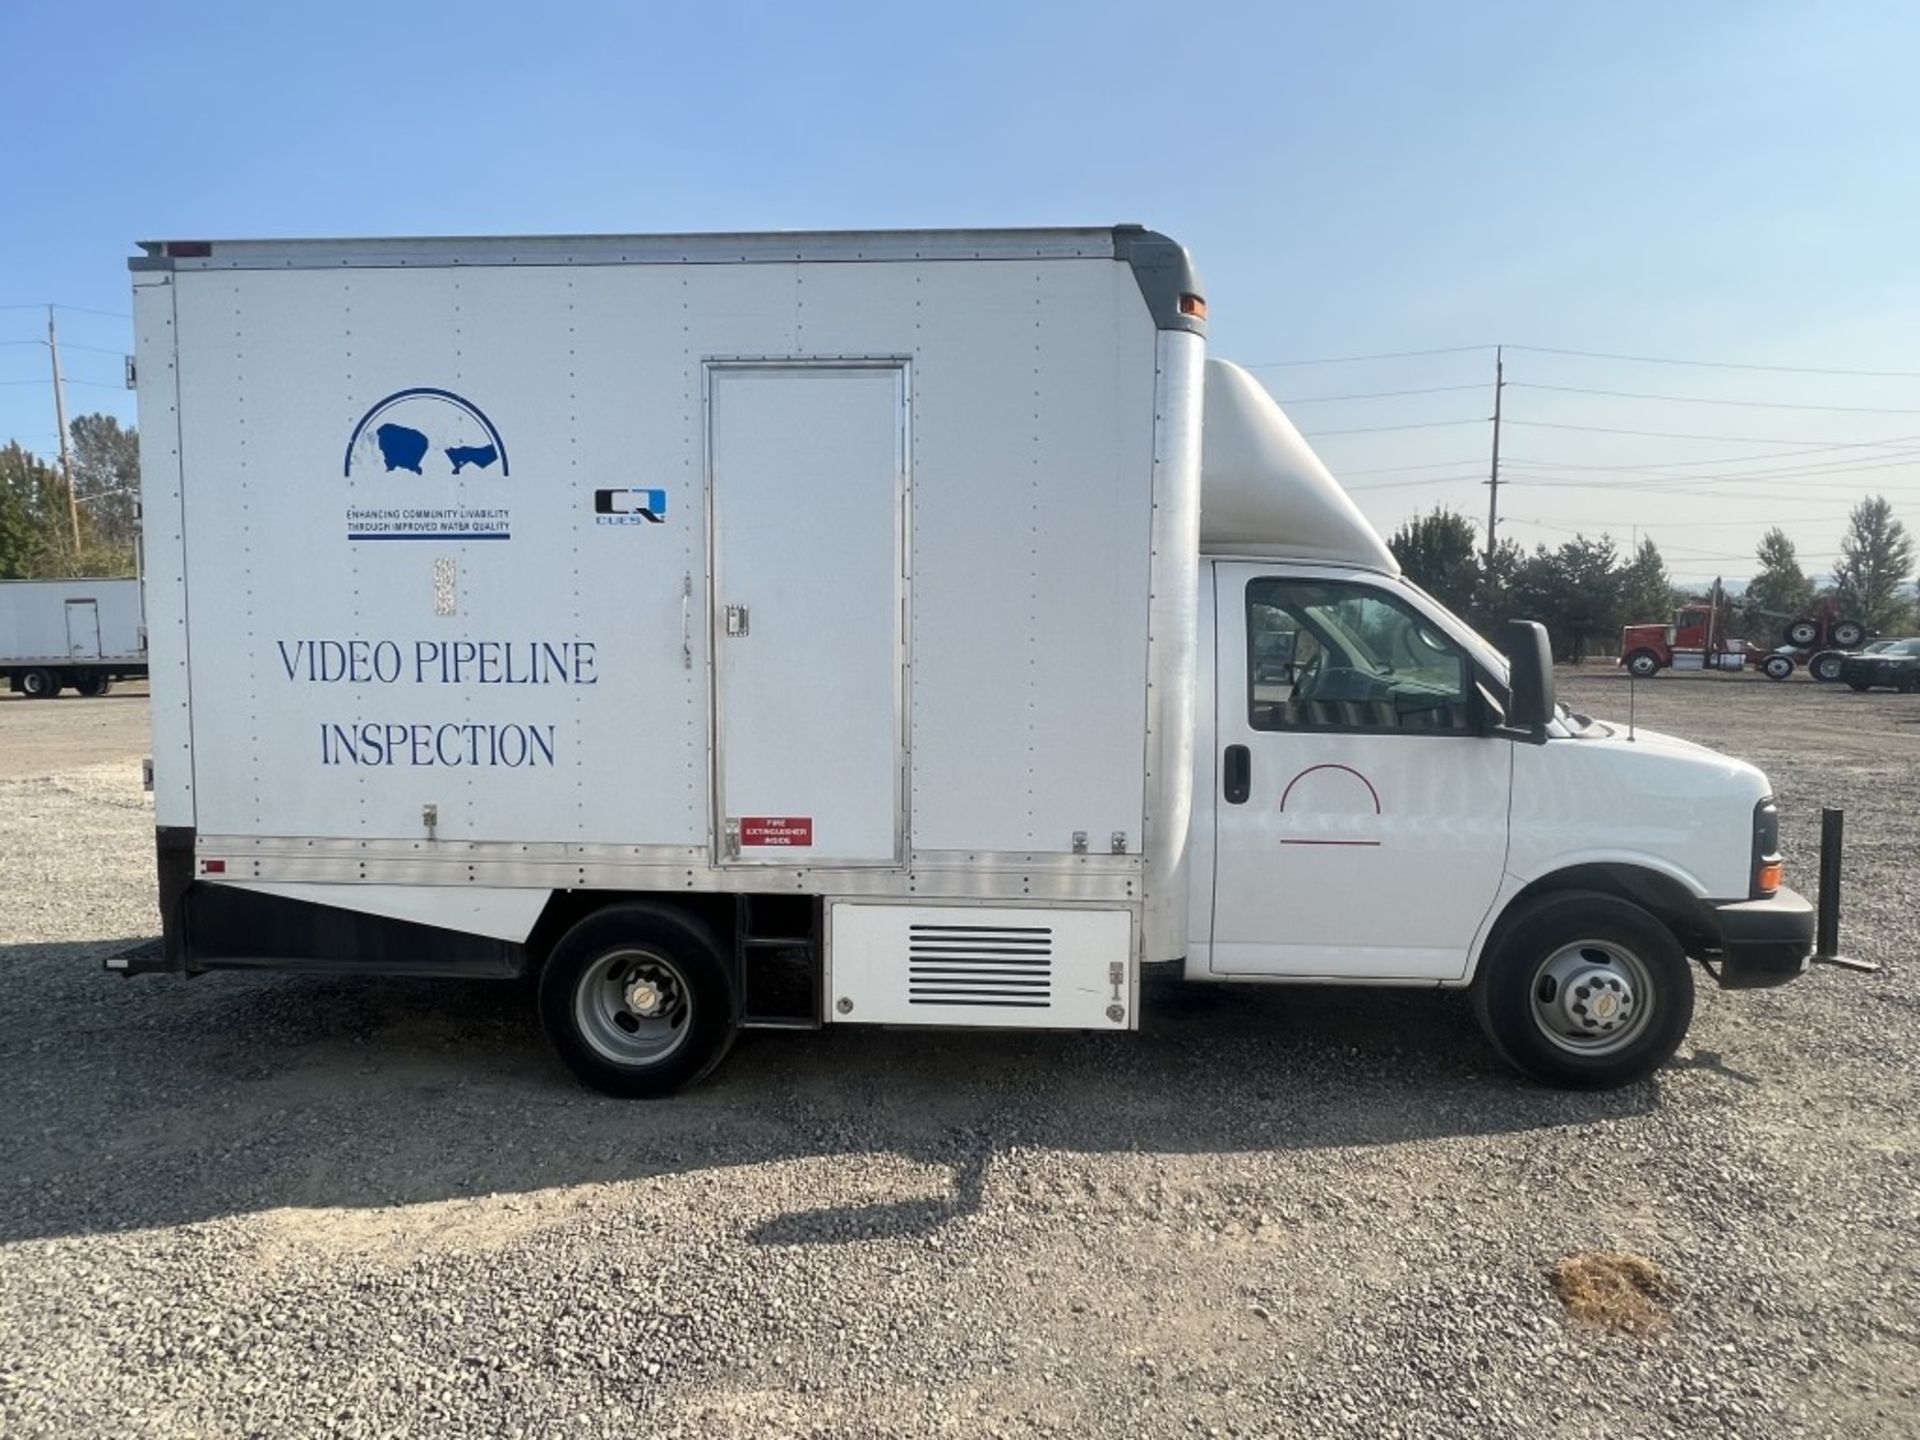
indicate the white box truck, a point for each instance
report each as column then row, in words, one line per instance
column 846, row 628
column 70, row 634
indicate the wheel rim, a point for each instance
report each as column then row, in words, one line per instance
column 1642, row 665
column 1779, row 669
column 1593, row 997
column 633, row 1006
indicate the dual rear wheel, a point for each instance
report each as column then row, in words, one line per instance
column 637, row 1001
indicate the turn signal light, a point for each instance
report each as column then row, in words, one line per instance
column 1768, row 878
column 1193, row 305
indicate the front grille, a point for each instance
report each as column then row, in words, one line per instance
column 1005, row 966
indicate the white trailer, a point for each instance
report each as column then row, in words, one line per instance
column 79, row 634
column 809, row 629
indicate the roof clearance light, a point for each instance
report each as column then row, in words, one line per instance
column 189, row 249
column 1193, row 305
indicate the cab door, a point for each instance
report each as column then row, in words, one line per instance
column 1360, row 811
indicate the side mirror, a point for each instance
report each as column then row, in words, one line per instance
column 1530, row 702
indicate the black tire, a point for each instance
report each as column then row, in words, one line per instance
column 91, row 683
column 1909, row 682
column 1803, row 633
column 1848, row 634
column 1858, row 686
column 1644, row 664
column 1825, row 667
column 39, row 684
column 675, row 953
column 1778, row 667
column 1602, row 934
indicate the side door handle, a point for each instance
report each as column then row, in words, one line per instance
column 1239, row 774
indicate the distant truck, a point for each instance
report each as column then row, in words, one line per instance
column 70, row 634
column 1699, row 639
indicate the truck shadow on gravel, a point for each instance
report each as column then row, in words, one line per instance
column 161, row 1102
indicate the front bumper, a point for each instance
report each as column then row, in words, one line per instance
column 1764, row 942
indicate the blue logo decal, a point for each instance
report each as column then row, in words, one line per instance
column 426, row 428
column 629, row 507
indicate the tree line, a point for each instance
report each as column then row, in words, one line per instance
column 37, row 523
column 1585, row 589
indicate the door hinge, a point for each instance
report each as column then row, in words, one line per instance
column 732, row 839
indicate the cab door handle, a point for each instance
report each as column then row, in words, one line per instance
column 1238, row 771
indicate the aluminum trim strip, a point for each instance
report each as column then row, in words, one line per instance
column 425, row 252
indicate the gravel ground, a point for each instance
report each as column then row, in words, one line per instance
column 280, row 1206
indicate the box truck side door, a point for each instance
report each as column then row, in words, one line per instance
column 83, row 630
column 1361, row 825
column 806, row 477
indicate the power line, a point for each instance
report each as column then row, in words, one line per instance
column 1727, row 439
column 1716, row 460
column 73, row 309
column 1379, row 429
column 1429, row 480
column 1836, row 466
column 1357, row 359
column 1423, row 465
column 1665, row 524
column 1384, row 394
column 1719, row 364
column 1692, row 399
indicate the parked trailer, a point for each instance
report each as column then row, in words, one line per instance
column 853, row 628
column 70, row 634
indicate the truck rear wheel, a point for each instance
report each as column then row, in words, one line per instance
column 1643, row 664
column 1826, row 666
column 1585, row 991
column 39, row 684
column 1778, row 667
column 91, row 683
column 637, row 1001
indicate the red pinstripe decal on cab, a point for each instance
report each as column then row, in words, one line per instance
column 1331, row 766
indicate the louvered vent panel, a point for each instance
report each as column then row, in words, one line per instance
column 1008, row 967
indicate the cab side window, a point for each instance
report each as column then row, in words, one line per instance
column 1328, row 655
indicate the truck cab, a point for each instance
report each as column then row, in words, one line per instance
column 1401, row 803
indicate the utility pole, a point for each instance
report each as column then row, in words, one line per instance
column 1493, row 478
column 60, row 419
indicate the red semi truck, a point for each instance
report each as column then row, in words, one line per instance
column 1698, row 639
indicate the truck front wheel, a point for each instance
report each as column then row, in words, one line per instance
column 1643, row 664
column 1585, row 991
column 637, row 1001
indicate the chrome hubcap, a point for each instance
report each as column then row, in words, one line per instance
column 1593, row 997
column 632, row 1006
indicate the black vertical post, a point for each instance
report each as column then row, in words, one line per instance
column 1832, row 829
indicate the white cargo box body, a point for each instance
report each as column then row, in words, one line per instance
column 71, row 622
column 852, row 566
